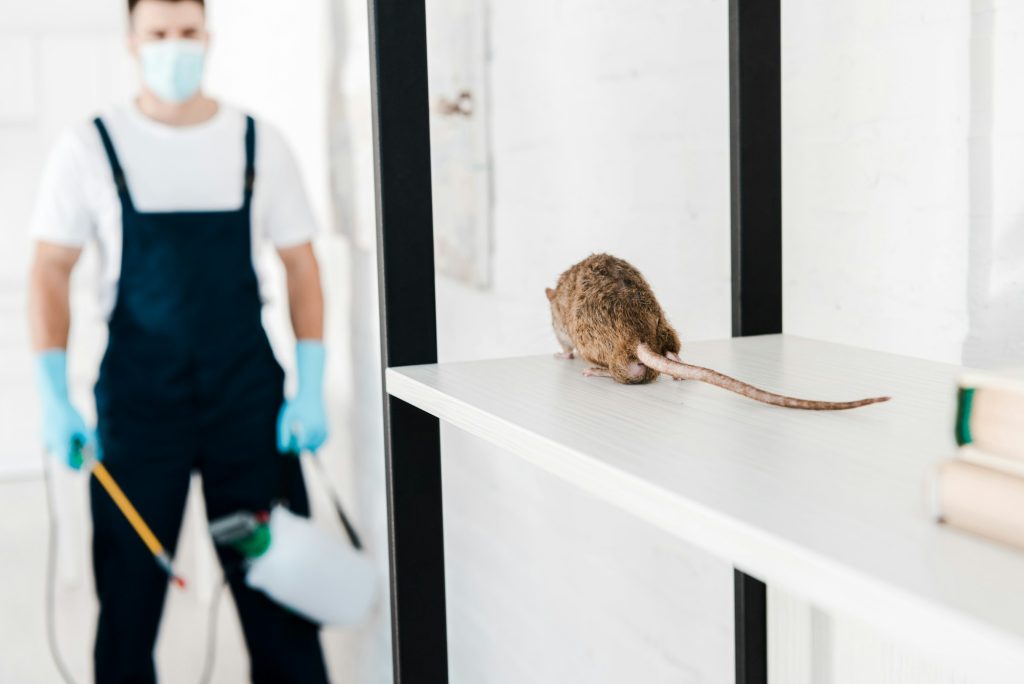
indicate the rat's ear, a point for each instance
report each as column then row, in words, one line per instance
column 549, row 292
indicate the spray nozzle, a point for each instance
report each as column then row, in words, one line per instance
column 246, row 532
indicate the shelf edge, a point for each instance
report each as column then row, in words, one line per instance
column 933, row 627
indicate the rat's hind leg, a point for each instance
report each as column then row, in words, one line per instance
column 666, row 340
column 597, row 372
column 565, row 355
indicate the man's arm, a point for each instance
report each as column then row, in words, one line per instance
column 305, row 296
column 49, row 300
column 302, row 422
column 64, row 432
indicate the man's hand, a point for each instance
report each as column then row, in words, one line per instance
column 64, row 432
column 302, row 422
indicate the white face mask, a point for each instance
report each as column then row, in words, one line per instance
column 173, row 69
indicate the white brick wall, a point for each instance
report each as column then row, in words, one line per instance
column 64, row 17
column 875, row 173
column 996, row 283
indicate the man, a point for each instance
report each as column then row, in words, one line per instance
column 178, row 190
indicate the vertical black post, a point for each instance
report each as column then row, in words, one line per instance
column 751, row 633
column 755, row 98
column 756, row 136
column 405, row 259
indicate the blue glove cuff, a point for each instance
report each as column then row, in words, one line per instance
column 309, row 361
column 52, row 372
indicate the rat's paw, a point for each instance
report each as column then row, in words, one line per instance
column 565, row 355
column 597, row 372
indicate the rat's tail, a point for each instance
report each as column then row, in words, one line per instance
column 685, row 371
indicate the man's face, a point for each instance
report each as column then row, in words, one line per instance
column 162, row 20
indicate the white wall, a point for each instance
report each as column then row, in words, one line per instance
column 876, row 106
column 65, row 61
column 902, row 207
column 996, row 276
column 352, row 183
column 594, row 152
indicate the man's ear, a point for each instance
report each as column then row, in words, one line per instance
column 550, row 293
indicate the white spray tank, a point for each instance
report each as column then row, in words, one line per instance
column 305, row 568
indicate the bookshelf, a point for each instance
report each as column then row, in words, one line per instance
column 408, row 313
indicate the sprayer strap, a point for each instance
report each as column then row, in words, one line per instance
column 290, row 465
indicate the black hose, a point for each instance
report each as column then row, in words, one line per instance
column 51, row 580
column 211, row 635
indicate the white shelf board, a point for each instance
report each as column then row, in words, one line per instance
column 829, row 505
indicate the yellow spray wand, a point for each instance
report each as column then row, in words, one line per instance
column 100, row 472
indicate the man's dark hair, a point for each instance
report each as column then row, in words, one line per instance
column 133, row 3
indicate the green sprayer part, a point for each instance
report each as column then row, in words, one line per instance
column 256, row 544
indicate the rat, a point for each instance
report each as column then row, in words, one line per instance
column 605, row 310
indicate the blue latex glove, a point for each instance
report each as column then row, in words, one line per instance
column 64, row 431
column 302, row 422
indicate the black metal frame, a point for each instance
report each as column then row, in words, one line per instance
column 756, row 141
column 405, row 262
column 750, row 614
column 408, row 314
column 755, row 101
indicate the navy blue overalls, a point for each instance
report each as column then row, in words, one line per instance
column 188, row 382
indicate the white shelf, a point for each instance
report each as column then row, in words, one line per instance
column 829, row 505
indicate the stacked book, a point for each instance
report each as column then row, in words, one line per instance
column 982, row 490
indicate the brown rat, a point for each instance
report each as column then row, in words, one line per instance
column 603, row 308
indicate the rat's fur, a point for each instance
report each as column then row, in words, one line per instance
column 603, row 308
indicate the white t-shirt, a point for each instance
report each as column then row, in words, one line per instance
column 167, row 168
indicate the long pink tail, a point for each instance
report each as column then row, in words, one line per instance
column 685, row 371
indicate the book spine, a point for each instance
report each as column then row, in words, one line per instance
column 1003, row 464
column 964, row 403
column 982, row 501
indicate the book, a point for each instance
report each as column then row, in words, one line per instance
column 1005, row 464
column 1009, row 379
column 990, row 412
column 981, row 500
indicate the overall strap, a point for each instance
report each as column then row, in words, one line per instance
column 115, row 165
column 250, row 158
